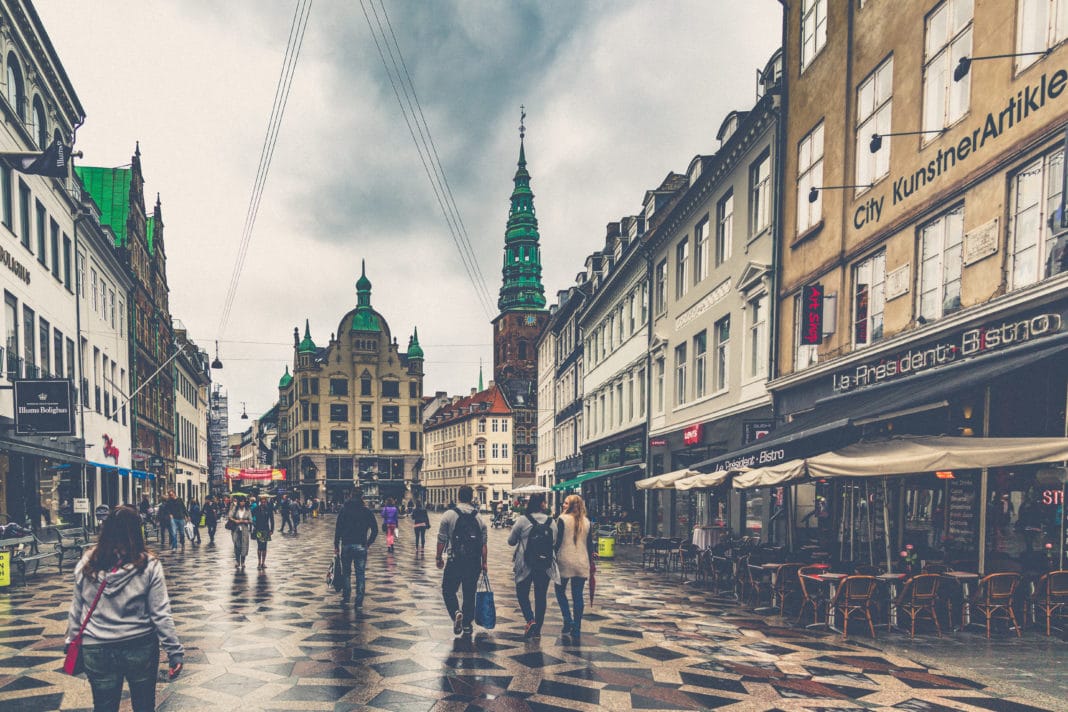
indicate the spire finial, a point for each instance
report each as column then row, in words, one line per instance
column 363, row 268
column 137, row 148
column 480, row 388
column 522, row 120
column 307, row 328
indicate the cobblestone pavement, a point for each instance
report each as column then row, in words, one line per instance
column 279, row 640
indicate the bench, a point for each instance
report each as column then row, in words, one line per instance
column 70, row 541
column 26, row 550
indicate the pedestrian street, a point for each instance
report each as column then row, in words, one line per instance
column 280, row 640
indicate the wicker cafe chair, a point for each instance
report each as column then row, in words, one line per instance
column 854, row 597
column 747, row 589
column 787, row 585
column 919, row 596
column 1051, row 595
column 994, row 597
column 812, row 592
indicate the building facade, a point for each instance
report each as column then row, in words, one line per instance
column 545, row 466
column 192, row 381
column 565, row 429
column 350, row 412
column 218, row 432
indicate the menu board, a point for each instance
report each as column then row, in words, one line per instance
column 963, row 524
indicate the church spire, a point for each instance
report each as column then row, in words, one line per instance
column 521, row 289
column 480, row 387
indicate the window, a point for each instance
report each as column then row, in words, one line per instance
column 504, row 450
column 413, row 414
column 641, row 393
column 700, row 347
column 660, row 306
column 314, row 383
column 760, row 194
column 390, row 414
column 314, row 411
column 391, row 389
column 482, row 425
column 122, row 318
column 367, row 439
column 94, row 291
column 682, row 266
column 16, row 91
column 5, row 199
column 40, row 124
column 339, row 413
column 66, row 263
column 874, row 105
column 315, row 439
column 306, row 439
column 757, row 309
column 42, row 225
column 504, row 425
column 413, row 389
column 494, row 425
column 724, row 228
column 339, row 387
column 111, row 307
column 495, row 450
column 54, row 243
column 1042, row 24
column 46, row 345
column 868, row 299
column 940, row 264
column 70, row 369
column 57, row 351
column 481, row 447
column 365, row 386
column 813, row 30
column 723, row 342
column 24, row 214
column 339, row 440
column 29, row 339
column 645, row 302
column 680, row 374
column 809, row 176
column 1036, row 192
column 660, row 385
column 948, row 37
column 80, row 273
column 304, row 410
column 413, row 441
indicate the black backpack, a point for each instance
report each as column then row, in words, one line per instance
column 466, row 537
column 538, row 552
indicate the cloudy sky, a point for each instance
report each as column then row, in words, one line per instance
column 617, row 93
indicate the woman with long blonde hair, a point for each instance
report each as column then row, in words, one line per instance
column 574, row 553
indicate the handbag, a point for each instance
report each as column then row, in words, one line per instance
column 230, row 526
column 485, row 609
column 333, row 577
column 73, row 665
column 203, row 520
column 189, row 529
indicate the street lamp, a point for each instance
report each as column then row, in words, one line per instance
column 814, row 191
column 876, row 142
column 244, row 413
column 216, row 363
column 965, row 64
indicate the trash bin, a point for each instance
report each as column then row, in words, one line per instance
column 606, row 547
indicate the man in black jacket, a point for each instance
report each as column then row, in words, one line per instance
column 354, row 533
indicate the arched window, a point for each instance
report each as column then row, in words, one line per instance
column 40, row 124
column 522, row 350
column 16, row 92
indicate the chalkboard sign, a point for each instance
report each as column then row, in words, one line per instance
column 963, row 523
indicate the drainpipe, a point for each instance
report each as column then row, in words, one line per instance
column 80, row 215
column 649, row 509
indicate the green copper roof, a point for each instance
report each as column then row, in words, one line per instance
column 307, row 346
column 150, row 233
column 110, row 190
column 365, row 318
column 286, row 379
column 521, row 289
column 414, row 349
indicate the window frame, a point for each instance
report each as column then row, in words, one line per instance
column 872, row 167
column 810, row 175
column 757, row 334
column 724, row 228
column 760, row 203
column 816, row 12
column 701, row 239
column 721, row 380
column 1049, row 165
column 680, row 374
column 943, row 223
column 700, row 360
column 940, row 62
column 873, row 298
column 682, row 266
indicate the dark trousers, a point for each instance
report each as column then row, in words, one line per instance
column 108, row 665
column 461, row 574
column 285, row 520
column 540, row 581
column 420, row 537
column 571, row 616
column 212, row 524
column 354, row 557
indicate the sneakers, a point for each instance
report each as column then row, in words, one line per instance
column 531, row 630
column 458, row 623
column 468, row 630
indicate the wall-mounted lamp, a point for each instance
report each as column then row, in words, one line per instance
column 876, row 142
column 965, row 64
column 814, row 192
column 967, row 409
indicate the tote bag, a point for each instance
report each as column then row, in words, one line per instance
column 485, row 609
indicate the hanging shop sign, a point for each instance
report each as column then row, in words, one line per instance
column 43, row 407
column 753, row 430
column 110, row 450
column 255, row 473
column 812, row 315
column 971, row 342
column 692, row 434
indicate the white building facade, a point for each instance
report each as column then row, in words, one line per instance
column 192, row 380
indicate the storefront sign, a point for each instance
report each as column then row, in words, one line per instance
column 43, row 408
column 81, row 505
column 110, row 450
column 657, row 442
column 980, row 243
column 763, row 458
column 973, row 342
column 812, row 315
column 138, row 455
column 5, row 568
column 692, row 434
column 254, row 473
column 754, row 430
column 14, row 265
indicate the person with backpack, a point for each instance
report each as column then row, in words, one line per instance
column 533, row 562
column 574, row 557
column 354, row 532
column 463, row 534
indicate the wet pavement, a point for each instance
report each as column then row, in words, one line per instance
column 279, row 640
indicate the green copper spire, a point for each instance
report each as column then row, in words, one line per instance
column 522, row 289
column 365, row 318
column 286, row 379
column 480, row 388
column 415, row 351
column 307, row 346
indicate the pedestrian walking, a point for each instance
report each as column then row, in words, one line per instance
column 533, row 562
column 354, row 532
column 177, row 509
column 131, row 619
column 463, row 534
column 210, row 512
column 163, row 521
column 294, row 513
column 262, row 529
column 574, row 559
column 240, row 526
column 284, row 507
column 194, row 517
column 145, row 507
column 420, row 522
column 389, row 523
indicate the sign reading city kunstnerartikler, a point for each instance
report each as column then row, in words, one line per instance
column 43, row 408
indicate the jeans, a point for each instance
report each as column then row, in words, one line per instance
column 135, row 660
column 391, row 534
column 212, row 524
column 177, row 532
column 540, row 581
column 577, row 584
column 461, row 574
column 285, row 520
column 420, row 537
column 354, row 554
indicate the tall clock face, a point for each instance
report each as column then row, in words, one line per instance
column 531, row 320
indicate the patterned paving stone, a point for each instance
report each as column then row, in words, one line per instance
column 278, row 639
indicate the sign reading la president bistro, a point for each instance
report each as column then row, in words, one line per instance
column 1029, row 100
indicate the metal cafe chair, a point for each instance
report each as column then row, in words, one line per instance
column 787, row 585
column 994, row 598
column 1051, row 595
column 854, row 596
column 812, row 592
column 919, row 596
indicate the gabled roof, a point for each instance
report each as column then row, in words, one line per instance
column 110, row 190
column 488, row 402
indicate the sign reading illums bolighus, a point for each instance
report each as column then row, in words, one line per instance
column 43, row 407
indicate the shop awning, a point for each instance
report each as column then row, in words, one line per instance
column 834, row 421
column 771, row 476
column 666, row 480
column 707, row 480
column 595, row 474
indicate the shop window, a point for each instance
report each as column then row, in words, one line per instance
column 809, row 176
column 760, row 194
column 1041, row 25
column 1037, row 252
column 874, row 106
column 339, row 387
column 700, row 374
column 724, row 228
column 940, row 264
column 758, row 326
column 680, row 374
column 947, row 38
column 723, row 343
column 682, row 266
column 868, row 299
column 813, row 30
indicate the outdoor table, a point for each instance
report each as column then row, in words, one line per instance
column 892, row 581
column 964, row 578
column 703, row 537
column 832, row 580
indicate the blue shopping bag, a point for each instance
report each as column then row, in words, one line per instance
column 485, row 609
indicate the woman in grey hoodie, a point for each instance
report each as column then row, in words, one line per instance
column 132, row 619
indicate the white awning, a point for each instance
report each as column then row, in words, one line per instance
column 771, row 476
column 707, row 480
column 666, row 480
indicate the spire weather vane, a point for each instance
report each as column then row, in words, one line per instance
column 522, row 119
